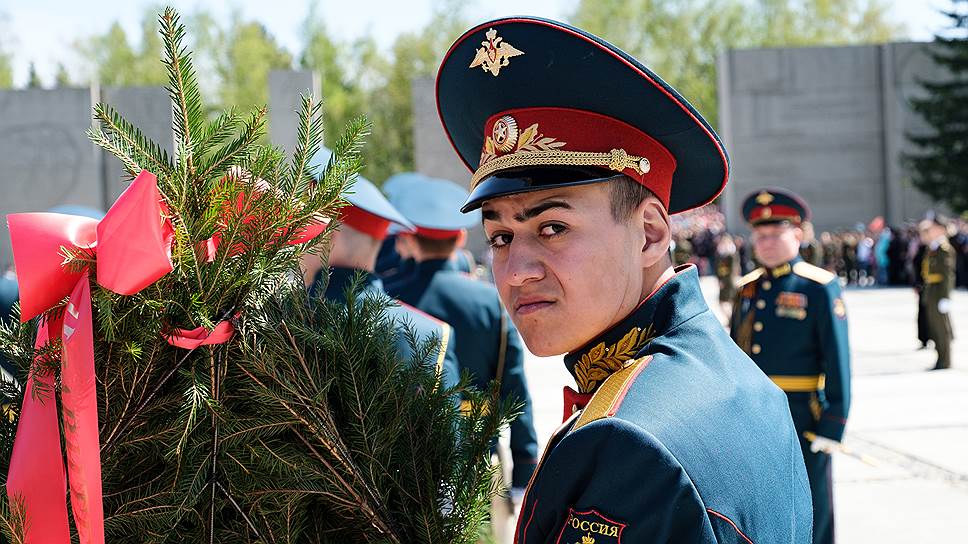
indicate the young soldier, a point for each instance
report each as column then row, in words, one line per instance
column 488, row 346
column 353, row 251
column 579, row 154
column 790, row 318
column 937, row 275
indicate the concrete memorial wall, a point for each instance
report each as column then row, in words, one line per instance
column 828, row 123
column 46, row 158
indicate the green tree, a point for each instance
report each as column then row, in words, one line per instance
column 242, row 54
column 358, row 79
column 339, row 67
column 113, row 60
column 62, row 78
column 390, row 105
column 6, row 58
column 940, row 170
column 33, row 79
column 6, row 69
column 681, row 39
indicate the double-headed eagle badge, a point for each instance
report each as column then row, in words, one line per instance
column 494, row 54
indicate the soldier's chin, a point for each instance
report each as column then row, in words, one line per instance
column 541, row 341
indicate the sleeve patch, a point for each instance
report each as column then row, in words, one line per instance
column 590, row 527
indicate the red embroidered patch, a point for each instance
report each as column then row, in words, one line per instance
column 589, row 527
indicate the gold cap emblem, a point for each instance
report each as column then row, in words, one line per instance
column 494, row 53
column 764, row 198
column 505, row 133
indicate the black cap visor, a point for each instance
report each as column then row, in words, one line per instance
column 525, row 180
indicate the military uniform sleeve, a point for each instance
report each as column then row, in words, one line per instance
column 524, row 439
column 628, row 488
column 946, row 265
column 835, row 347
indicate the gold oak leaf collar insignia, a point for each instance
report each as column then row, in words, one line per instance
column 598, row 363
column 494, row 53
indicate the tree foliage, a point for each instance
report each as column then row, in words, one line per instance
column 306, row 426
column 940, row 167
column 113, row 60
column 6, row 57
column 359, row 79
column 682, row 39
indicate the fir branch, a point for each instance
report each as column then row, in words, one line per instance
column 308, row 142
column 232, row 153
column 116, row 148
column 128, row 143
column 182, row 86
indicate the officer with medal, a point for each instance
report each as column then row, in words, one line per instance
column 579, row 153
column 352, row 254
column 488, row 346
column 791, row 319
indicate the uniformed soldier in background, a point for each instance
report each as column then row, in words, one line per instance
column 579, row 154
column 791, row 319
column 488, row 345
column 811, row 250
column 937, row 274
column 727, row 271
column 352, row 256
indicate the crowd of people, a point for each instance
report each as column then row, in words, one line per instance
column 864, row 256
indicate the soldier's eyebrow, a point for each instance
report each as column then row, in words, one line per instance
column 528, row 213
column 531, row 213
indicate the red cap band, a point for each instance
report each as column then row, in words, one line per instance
column 365, row 222
column 761, row 214
column 524, row 130
column 438, row 234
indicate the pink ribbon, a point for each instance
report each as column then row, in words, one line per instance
column 132, row 246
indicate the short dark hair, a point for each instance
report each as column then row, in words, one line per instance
column 626, row 195
column 434, row 246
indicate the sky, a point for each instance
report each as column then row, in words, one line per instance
column 43, row 31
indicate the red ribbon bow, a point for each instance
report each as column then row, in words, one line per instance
column 132, row 244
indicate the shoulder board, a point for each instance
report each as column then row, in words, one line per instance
column 815, row 273
column 418, row 311
column 751, row 277
column 607, row 400
column 444, row 331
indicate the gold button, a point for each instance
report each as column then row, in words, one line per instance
column 757, row 326
column 767, row 285
column 756, row 349
column 761, row 304
column 574, row 408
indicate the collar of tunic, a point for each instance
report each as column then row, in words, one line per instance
column 670, row 305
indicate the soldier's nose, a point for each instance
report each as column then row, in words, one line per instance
column 522, row 267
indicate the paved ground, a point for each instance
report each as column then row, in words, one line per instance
column 912, row 424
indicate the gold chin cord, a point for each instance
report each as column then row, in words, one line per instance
column 617, row 160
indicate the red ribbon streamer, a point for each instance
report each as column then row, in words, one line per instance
column 132, row 246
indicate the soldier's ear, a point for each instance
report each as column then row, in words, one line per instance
column 656, row 230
